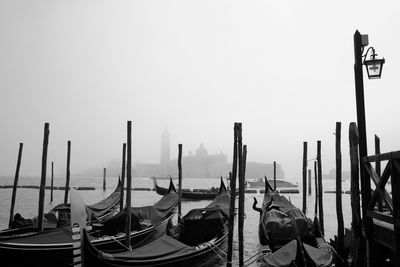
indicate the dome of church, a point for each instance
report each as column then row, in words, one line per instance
column 201, row 151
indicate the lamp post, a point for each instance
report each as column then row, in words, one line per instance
column 374, row 71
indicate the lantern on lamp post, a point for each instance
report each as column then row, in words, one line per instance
column 373, row 65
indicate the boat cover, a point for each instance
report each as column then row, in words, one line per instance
column 160, row 248
column 279, row 218
column 321, row 256
column 282, row 257
column 153, row 214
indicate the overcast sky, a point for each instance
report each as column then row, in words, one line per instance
column 282, row 68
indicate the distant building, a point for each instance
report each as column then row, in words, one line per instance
column 201, row 164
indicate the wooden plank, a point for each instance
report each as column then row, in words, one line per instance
column 380, row 186
column 382, row 157
column 370, row 170
column 383, row 235
column 380, row 216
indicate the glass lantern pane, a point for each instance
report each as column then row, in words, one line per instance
column 374, row 70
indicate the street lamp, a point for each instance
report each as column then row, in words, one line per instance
column 374, row 71
column 373, row 65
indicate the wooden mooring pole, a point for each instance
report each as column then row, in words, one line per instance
column 180, row 180
column 104, row 178
column 304, row 177
column 68, row 172
column 52, row 181
column 121, row 203
column 309, row 181
column 320, row 192
column 358, row 244
column 43, row 176
column 378, row 166
column 274, row 175
column 237, row 128
column 339, row 211
column 241, row 198
column 14, row 192
column 128, row 185
column 316, row 188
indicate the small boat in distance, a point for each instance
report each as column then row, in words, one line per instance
column 195, row 194
column 279, row 183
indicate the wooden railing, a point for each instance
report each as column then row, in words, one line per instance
column 391, row 201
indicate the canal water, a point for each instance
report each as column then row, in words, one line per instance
column 27, row 202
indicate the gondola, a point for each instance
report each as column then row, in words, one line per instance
column 55, row 247
column 59, row 216
column 192, row 195
column 287, row 236
column 199, row 239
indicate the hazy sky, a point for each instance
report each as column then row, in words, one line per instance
column 282, row 68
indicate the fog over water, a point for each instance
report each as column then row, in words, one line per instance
column 283, row 69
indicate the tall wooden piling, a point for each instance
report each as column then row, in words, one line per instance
column 68, row 172
column 339, row 211
column 104, row 178
column 180, row 179
column 309, row 181
column 304, row 177
column 274, row 175
column 43, row 176
column 14, row 192
column 316, row 188
column 237, row 128
column 121, row 203
column 358, row 244
column 241, row 198
column 52, row 181
column 320, row 192
column 378, row 166
column 128, row 185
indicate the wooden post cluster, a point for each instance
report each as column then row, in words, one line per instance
column 68, row 172
column 43, row 176
column 339, row 212
column 358, row 244
column 16, row 177
column 304, row 177
column 128, row 185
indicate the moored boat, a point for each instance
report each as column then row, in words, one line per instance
column 199, row 239
column 193, row 195
column 287, row 236
column 54, row 247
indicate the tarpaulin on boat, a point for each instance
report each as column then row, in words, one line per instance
column 283, row 221
column 154, row 214
column 163, row 247
column 102, row 207
column 283, row 257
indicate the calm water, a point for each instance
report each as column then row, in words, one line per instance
column 27, row 203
